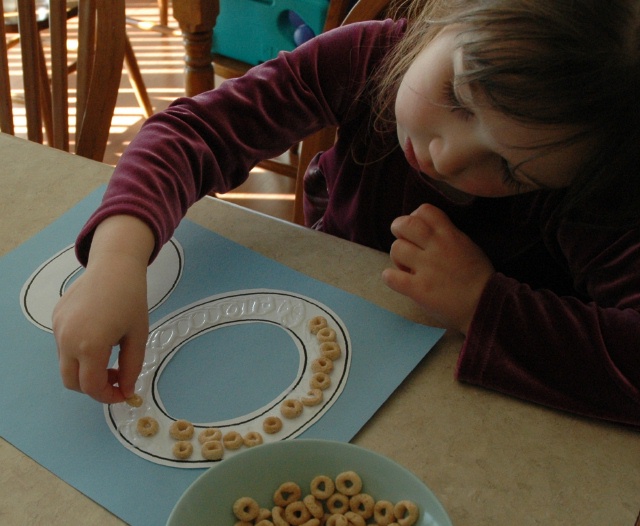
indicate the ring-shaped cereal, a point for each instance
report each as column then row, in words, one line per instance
column 286, row 493
column 317, row 323
column 383, row 512
column 349, row 483
column 181, row 430
column 338, row 503
column 330, row 350
column 277, row 516
column 326, row 335
column 182, row 449
column 288, row 311
column 147, row 426
column 320, row 381
column 363, row 504
column 322, row 487
column 264, row 514
column 246, row 509
column 322, row 365
column 212, row 450
column 296, row 513
column 134, row 400
column 252, row 438
column 208, row 434
column 314, row 397
column 337, row 519
column 314, row 506
column 232, row 440
column 354, row 519
column 406, row 512
column 291, row 408
column 271, row 425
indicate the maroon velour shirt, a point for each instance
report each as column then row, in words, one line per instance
column 558, row 324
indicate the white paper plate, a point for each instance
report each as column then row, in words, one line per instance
column 286, row 311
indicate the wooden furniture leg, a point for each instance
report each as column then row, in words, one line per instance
column 31, row 80
column 137, row 82
column 6, row 109
column 163, row 6
column 197, row 19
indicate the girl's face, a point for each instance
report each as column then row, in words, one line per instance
column 452, row 138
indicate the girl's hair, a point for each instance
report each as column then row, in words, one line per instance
column 574, row 64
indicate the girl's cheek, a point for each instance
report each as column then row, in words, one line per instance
column 413, row 112
column 401, row 108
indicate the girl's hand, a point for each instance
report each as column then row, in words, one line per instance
column 105, row 307
column 438, row 267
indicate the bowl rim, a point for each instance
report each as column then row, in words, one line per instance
column 300, row 444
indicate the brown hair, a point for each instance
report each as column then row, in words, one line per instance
column 566, row 63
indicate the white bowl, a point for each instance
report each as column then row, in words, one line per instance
column 259, row 471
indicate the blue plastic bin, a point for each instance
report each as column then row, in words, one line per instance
column 254, row 31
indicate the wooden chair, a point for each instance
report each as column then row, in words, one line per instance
column 323, row 140
column 162, row 27
column 163, row 6
column 103, row 46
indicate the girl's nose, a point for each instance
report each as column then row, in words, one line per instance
column 451, row 156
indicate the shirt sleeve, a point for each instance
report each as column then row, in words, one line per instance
column 210, row 142
column 581, row 356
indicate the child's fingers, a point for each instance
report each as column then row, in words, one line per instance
column 130, row 362
column 404, row 253
column 69, row 373
column 412, row 229
column 94, row 381
column 397, row 279
column 421, row 225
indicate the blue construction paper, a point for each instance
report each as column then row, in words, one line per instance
column 238, row 354
column 67, row 433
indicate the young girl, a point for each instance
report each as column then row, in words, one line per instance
column 492, row 146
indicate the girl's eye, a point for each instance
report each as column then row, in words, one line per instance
column 454, row 104
column 509, row 180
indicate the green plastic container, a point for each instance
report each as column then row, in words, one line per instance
column 254, row 31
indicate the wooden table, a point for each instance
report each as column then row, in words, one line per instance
column 491, row 460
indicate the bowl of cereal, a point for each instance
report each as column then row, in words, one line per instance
column 308, row 482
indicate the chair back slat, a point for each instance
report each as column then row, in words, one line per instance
column 100, row 58
column 366, row 10
column 6, row 108
column 59, row 76
column 29, row 38
column 86, row 39
column 107, row 57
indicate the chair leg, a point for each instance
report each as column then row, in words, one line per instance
column 137, row 82
column 298, row 202
column 45, row 95
column 31, row 57
column 163, row 6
